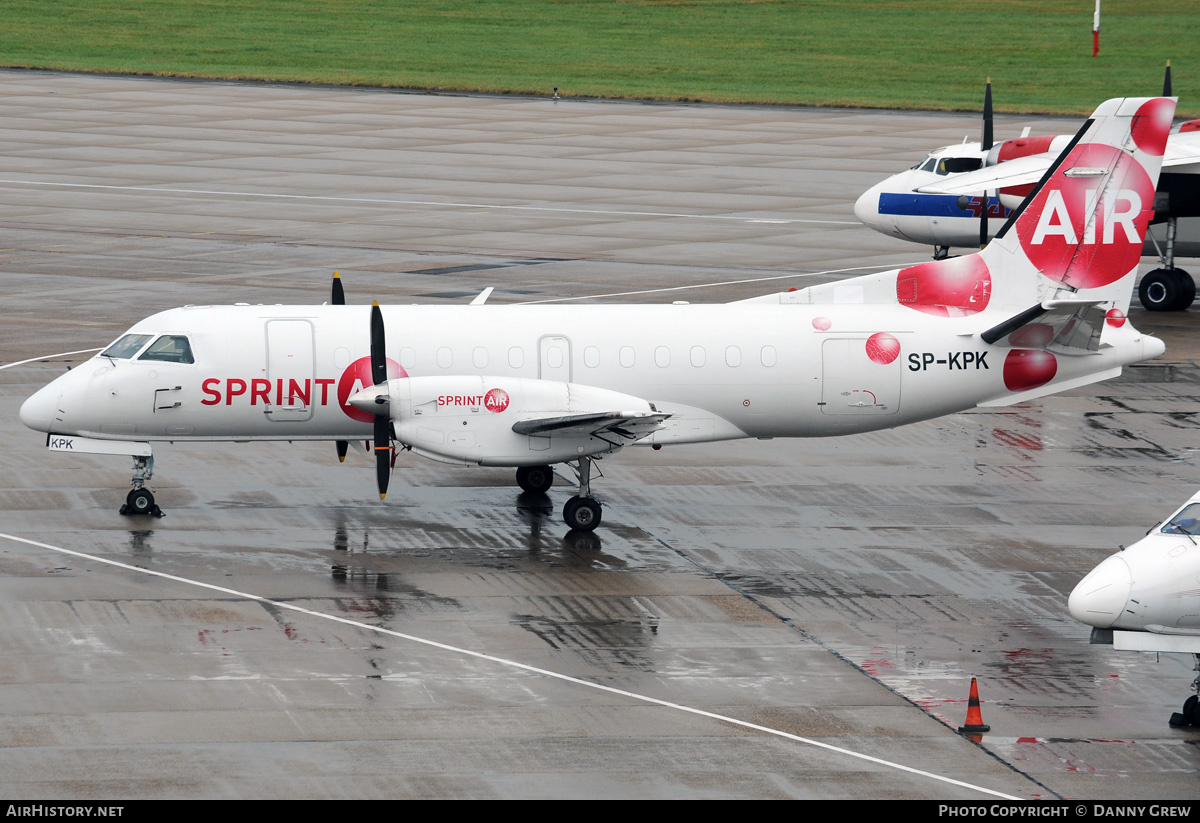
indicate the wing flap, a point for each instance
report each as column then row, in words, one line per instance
column 629, row 425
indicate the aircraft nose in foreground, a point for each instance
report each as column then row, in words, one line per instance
column 39, row 410
column 1100, row 597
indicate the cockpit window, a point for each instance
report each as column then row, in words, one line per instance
column 170, row 348
column 957, row 165
column 928, row 164
column 126, row 347
column 1186, row 522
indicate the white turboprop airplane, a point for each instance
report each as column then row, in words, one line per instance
column 1147, row 596
column 1041, row 310
column 959, row 195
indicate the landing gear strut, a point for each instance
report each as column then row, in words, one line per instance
column 141, row 500
column 535, row 479
column 1168, row 288
column 1190, row 714
column 582, row 512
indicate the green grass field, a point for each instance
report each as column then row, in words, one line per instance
column 879, row 53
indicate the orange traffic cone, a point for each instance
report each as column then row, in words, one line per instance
column 974, row 722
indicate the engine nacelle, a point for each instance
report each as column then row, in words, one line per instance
column 1011, row 196
column 469, row 419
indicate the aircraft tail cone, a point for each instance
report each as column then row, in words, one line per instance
column 974, row 724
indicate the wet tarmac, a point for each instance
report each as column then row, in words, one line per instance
column 751, row 620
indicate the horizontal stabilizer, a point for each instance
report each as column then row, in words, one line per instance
column 1065, row 326
column 629, row 425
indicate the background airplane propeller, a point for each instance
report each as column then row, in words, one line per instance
column 985, row 143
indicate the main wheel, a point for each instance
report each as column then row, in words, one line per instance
column 139, row 501
column 1161, row 290
column 535, row 479
column 582, row 513
column 1187, row 285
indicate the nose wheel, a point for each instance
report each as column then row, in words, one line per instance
column 141, row 501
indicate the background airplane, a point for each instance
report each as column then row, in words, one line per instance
column 1147, row 596
column 959, row 195
column 1042, row 309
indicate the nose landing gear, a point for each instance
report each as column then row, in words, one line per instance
column 140, row 501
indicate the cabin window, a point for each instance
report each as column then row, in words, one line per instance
column 554, row 357
column 591, row 357
column 479, row 357
column 341, row 357
column 170, row 348
column 768, row 356
column 516, row 357
column 662, row 357
column 408, row 358
column 627, row 357
column 445, row 358
column 126, row 347
column 733, row 357
column 696, row 355
column 957, row 165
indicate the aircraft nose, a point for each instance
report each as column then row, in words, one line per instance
column 1100, row 597
column 39, row 410
column 866, row 208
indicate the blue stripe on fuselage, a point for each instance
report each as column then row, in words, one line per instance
column 913, row 204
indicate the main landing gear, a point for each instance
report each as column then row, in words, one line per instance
column 1168, row 288
column 582, row 512
column 535, row 479
column 141, row 500
column 1190, row 714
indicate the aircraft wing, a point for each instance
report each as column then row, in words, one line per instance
column 627, row 425
column 1182, row 157
column 1020, row 171
column 1183, row 153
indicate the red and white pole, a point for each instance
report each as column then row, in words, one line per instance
column 1096, row 31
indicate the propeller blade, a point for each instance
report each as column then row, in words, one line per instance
column 383, row 423
column 1167, row 81
column 378, row 355
column 337, row 297
column 986, row 142
column 342, row 448
column 983, row 226
column 383, row 448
